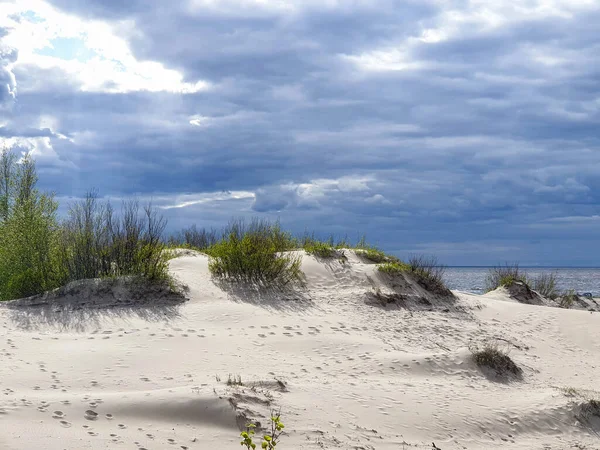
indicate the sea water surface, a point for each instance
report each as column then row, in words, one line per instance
column 472, row 279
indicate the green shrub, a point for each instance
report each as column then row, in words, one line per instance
column 504, row 276
column 254, row 254
column 97, row 243
column 28, row 231
column 545, row 285
column 393, row 268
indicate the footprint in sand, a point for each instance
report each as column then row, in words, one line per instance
column 90, row 415
column 122, row 426
column 92, row 433
column 65, row 424
column 109, row 416
column 58, row 414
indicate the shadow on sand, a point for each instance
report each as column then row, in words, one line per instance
column 81, row 319
column 288, row 299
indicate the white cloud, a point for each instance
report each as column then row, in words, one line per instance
column 185, row 200
column 109, row 65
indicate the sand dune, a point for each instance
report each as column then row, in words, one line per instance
column 344, row 371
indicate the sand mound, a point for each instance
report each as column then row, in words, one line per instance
column 104, row 293
column 522, row 293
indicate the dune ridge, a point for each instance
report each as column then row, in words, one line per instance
column 345, row 369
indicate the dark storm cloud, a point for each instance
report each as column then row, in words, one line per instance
column 340, row 117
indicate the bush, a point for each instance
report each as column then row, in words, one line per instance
column 28, row 231
column 545, row 285
column 96, row 243
column 492, row 357
column 253, row 254
column 429, row 274
column 503, row 276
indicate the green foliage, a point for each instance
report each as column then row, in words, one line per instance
column 254, row 254
column 28, row 231
column 545, row 285
column 504, row 276
column 374, row 255
column 97, row 243
column 393, row 268
column 38, row 254
column 426, row 271
column 269, row 440
column 320, row 250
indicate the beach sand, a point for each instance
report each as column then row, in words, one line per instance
column 345, row 373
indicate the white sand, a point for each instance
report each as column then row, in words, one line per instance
column 357, row 376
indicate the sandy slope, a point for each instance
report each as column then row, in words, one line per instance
column 352, row 375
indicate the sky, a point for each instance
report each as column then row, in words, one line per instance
column 464, row 129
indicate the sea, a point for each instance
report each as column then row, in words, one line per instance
column 581, row 280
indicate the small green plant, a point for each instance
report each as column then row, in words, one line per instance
column 269, row 440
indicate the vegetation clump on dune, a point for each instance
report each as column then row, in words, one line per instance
column 256, row 253
column 504, row 276
column 544, row 284
column 39, row 253
column 491, row 356
column 428, row 273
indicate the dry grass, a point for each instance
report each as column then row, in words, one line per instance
column 492, row 357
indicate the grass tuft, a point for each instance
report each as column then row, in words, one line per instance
column 504, row 276
column 320, row 250
column 393, row 268
column 545, row 285
column 491, row 356
column 254, row 254
column 567, row 299
column 429, row 274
